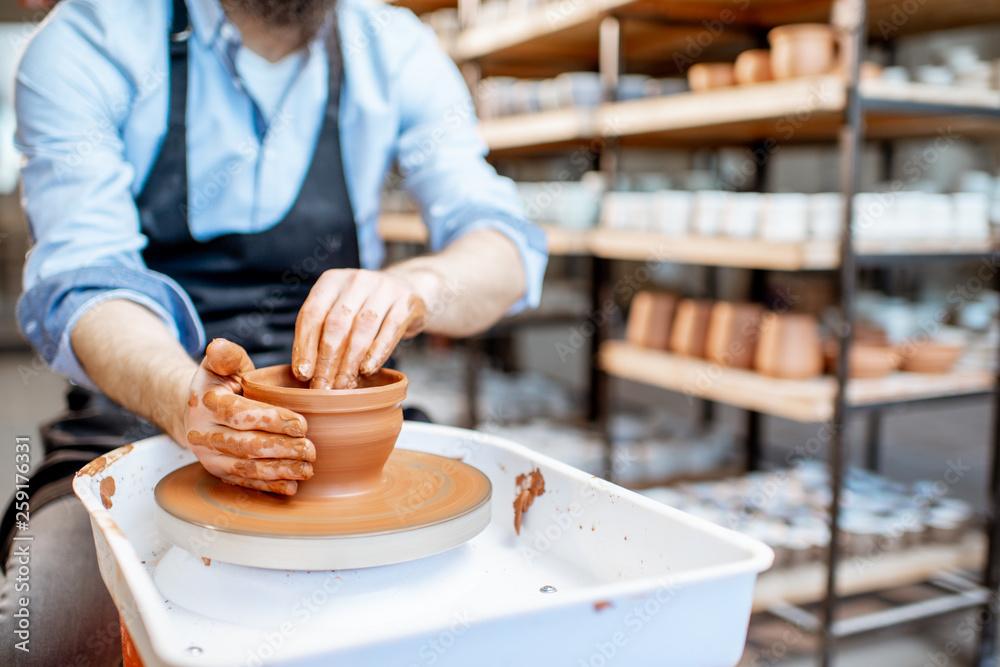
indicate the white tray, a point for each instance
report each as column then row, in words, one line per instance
column 637, row 583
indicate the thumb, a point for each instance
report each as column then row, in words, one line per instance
column 225, row 358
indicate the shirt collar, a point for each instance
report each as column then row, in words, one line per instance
column 207, row 20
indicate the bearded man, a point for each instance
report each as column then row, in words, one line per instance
column 211, row 169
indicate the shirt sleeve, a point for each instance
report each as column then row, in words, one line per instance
column 442, row 159
column 71, row 101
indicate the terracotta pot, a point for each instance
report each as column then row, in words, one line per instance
column 354, row 430
column 929, row 357
column 802, row 49
column 650, row 318
column 753, row 66
column 733, row 331
column 705, row 76
column 690, row 327
column 789, row 347
column 868, row 359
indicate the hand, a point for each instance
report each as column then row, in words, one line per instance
column 241, row 441
column 350, row 323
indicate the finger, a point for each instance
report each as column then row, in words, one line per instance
column 254, row 444
column 226, row 358
column 245, row 414
column 337, row 331
column 268, row 470
column 362, row 337
column 282, row 487
column 404, row 319
column 309, row 323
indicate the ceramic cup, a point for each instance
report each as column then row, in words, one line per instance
column 650, row 318
column 789, row 347
column 733, row 331
column 354, row 430
column 690, row 329
column 802, row 49
column 671, row 212
column 753, row 66
column 706, row 76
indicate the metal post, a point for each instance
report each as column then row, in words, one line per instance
column 873, row 440
column 473, row 360
column 988, row 641
column 753, row 446
column 850, row 16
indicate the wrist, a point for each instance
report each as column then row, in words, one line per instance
column 426, row 282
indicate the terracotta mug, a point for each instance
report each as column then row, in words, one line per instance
column 705, row 76
column 354, row 430
column 733, row 331
column 690, row 327
column 802, row 49
column 753, row 66
column 650, row 318
column 789, row 347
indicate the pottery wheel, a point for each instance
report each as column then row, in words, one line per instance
column 426, row 504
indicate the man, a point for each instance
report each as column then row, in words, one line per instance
column 198, row 171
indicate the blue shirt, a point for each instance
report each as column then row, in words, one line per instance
column 91, row 100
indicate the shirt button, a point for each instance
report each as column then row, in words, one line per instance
column 267, row 339
column 30, row 327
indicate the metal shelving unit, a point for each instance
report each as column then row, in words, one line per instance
column 606, row 34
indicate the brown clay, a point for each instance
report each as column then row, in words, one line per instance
column 650, row 318
column 98, row 465
column 789, row 347
column 107, row 490
column 802, row 49
column 733, row 331
column 529, row 487
column 705, row 76
column 691, row 327
column 867, row 359
column 753, row 66
column 360, row 486
column 929, row 357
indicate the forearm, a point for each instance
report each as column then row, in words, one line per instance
column 133, row 358
column 469, row 285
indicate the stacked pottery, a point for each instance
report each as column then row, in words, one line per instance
column 733, row 331
column 789, row 347
column 803, row 49
column 706, row 76
column 690, row 328
column 650, row 318
column 929, row 356
column 753, row 66
column 871, row 355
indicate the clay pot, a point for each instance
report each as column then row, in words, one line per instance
column 354, row 430
column 753, row 66
column 650, row 318
column 802, row 49
column 929, row 357
column 733, row 331
column 789, row 347
column 705, row 76
column 867, row 359
column 690, row 329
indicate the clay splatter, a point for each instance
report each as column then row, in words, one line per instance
column 107, row 490
column 98, row 465
column 529, row 487
column 206, row 561
column 601, row 605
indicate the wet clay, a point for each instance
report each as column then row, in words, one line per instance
column 360, row 485
column 206, row 561
column 98, row 465
column 107, row 490
column 529, row 487
column 419, row 490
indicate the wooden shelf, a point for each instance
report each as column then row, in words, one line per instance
column 409, row 228
column 794, row 111
column 568, row 32
column 799, row 400
column 804, row 584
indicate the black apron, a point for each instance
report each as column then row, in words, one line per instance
column 247, row 288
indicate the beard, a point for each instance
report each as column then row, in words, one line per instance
column 307, row 15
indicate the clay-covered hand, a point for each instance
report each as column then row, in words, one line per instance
column 241, row 441
column 350, row 323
